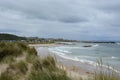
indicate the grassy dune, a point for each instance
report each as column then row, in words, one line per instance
column 22, row 63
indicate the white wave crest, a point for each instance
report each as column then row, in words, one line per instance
column 118, row 43
column 95, row 45
column 82, row 59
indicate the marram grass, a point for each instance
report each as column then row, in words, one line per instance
column 105, row 73
column 41, row 69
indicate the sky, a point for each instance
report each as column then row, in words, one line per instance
column 69, row 19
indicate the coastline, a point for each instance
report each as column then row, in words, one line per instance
column 23, row 62
column 75, row 69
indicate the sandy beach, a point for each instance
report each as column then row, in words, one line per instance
column 74, row 69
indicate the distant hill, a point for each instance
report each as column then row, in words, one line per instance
column 4, row 36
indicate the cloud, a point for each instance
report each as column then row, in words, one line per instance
column 79, row 19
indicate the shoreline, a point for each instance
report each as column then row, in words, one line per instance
column 25, row 62
column 73, row 68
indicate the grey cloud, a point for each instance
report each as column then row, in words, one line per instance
column 73, row 19
column 7, row 30
column 79, row 19
column 47, row 10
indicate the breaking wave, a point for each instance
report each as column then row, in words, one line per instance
column 64, row 53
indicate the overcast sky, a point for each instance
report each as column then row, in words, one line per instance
column 70, row 19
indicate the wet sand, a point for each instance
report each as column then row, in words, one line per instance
column 75, row 69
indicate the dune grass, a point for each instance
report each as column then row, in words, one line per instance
column 32, row 51
column 6, row 76
column 8, row 59
column 102, row 73
column 46, row 69
column 9, row 49
column 41, row 69
column 31, row 55
column 38, row 75
column 106, row 76
column 18, row 68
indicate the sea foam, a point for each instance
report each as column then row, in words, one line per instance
column 64, row 54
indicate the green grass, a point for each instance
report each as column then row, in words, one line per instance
column 23, row 46
column 31, row 55
column 31, row 51
column 14, row 49
column 31, row 58
column 8, row 59
column 16, row 71
column 49, row 63
column 9, row 49
column 5, row 76
column 105, row 74
column 18, row 68
column 41, row 69
column 45, row 69
column 46, row 75
column 37, row 65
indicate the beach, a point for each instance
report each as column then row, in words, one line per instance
column 55, row 61
column 75, row 69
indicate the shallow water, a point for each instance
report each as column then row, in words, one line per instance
column 110, row 53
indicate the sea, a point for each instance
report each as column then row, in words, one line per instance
column 90, row 53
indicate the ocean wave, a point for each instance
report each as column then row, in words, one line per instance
column 87, row 57
column 113, row 57
column 62, row 48
column 75, row 58
column 68, row 47
column 118, row 43
column 54, row 51
column 95, row 45
column 107, row 67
